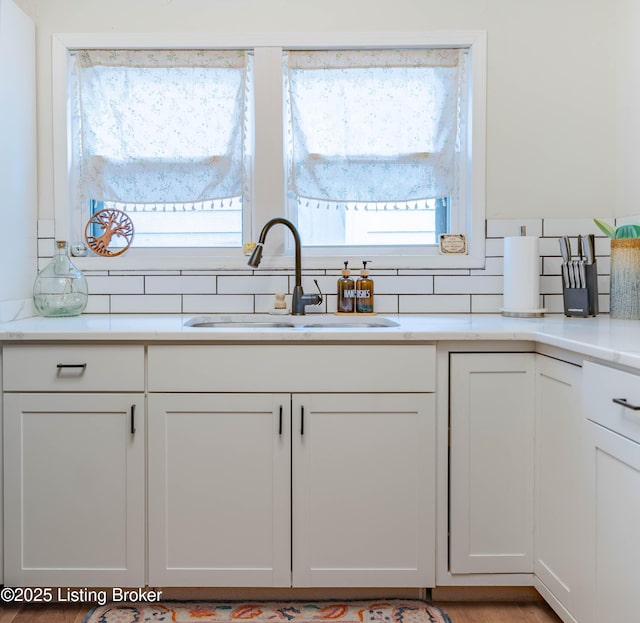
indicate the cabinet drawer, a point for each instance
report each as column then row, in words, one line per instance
column 73, row 368
column 289, row 368
column 603, row 385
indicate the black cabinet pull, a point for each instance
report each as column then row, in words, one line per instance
column 133, row 419
column 280, row 422
column 62, row 366
column 302, row 420
column 623, row 402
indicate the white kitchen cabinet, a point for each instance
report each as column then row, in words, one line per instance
column 615, row 474
column 219, row 490
column 74, row 480
column 491, row 415
column 74, row 492
column 339, row 491
column 363, row 490
column 617, row 514
column 564, row 541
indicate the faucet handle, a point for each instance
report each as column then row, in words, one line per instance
column 319, row 292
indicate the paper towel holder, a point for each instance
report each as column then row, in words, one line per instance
column 523, row 313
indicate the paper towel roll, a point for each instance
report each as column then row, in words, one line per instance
column 521, row 276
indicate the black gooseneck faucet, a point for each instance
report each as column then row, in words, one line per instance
column 299, row 300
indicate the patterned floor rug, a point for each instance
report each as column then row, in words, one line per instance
column 378, row 611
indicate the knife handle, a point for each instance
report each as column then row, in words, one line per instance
column 589, row 245
column 583, row 274
column 564, row 249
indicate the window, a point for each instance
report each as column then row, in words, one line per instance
column 374, row 144
column 161, row 135
column 372, row 148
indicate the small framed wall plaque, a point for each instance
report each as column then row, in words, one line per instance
column 453, row 244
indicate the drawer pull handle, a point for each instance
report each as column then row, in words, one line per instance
column 625, row 404
column 280, row 422
column 71, row 370
column 133, row 419
column 302, row 420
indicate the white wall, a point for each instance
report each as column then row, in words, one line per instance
column 627, row 71
column 17, row 162
column 551, row 82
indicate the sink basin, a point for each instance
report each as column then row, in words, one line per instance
column 351, row 323
column 212, row 324
column 265, row 321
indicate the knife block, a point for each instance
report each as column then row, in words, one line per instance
column 583, row 301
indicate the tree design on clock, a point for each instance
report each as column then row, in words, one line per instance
column 106, row 225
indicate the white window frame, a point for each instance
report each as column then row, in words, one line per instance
column 269, row 184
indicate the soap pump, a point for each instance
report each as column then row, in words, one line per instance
column 364, row 291
column 346, row 292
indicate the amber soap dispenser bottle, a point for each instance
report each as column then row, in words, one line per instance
column 364, row 291
column 346, row 292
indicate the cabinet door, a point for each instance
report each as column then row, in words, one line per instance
column 491, row 462
column 564, row 542
column 219, row 490
column 74, row 490
column 363, row 490
column 617, row 511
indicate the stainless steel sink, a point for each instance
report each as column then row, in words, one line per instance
column 351, row 323
column 206, row 324
column 264, row 321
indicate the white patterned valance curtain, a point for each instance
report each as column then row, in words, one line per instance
column 157, row 127
column 373, row 125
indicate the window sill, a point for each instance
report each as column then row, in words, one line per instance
column 168, row 261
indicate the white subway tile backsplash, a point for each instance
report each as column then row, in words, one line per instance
column 433, row 271
column 146, row 304
column 477, row 290
column 549, row 247
column 98, row 304
column 263, row 284
column 218, row 304
column 486, row 303
column 603, row 247
column 266, row 302
column 383, row 304
column 140, row 273
column 604, row 265
column 550, row 284
column 494, row 247
column 468, row 285
column 434, row 304
column 492, row 266
column 554, row 304
column 551, row 265
column 115, row 285
column 327, row 284
column 180, row 285
column 403, row 285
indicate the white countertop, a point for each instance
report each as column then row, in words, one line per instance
column 601, row 337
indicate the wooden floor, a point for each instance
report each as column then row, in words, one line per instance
column 459, row 612
column 499, row 612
